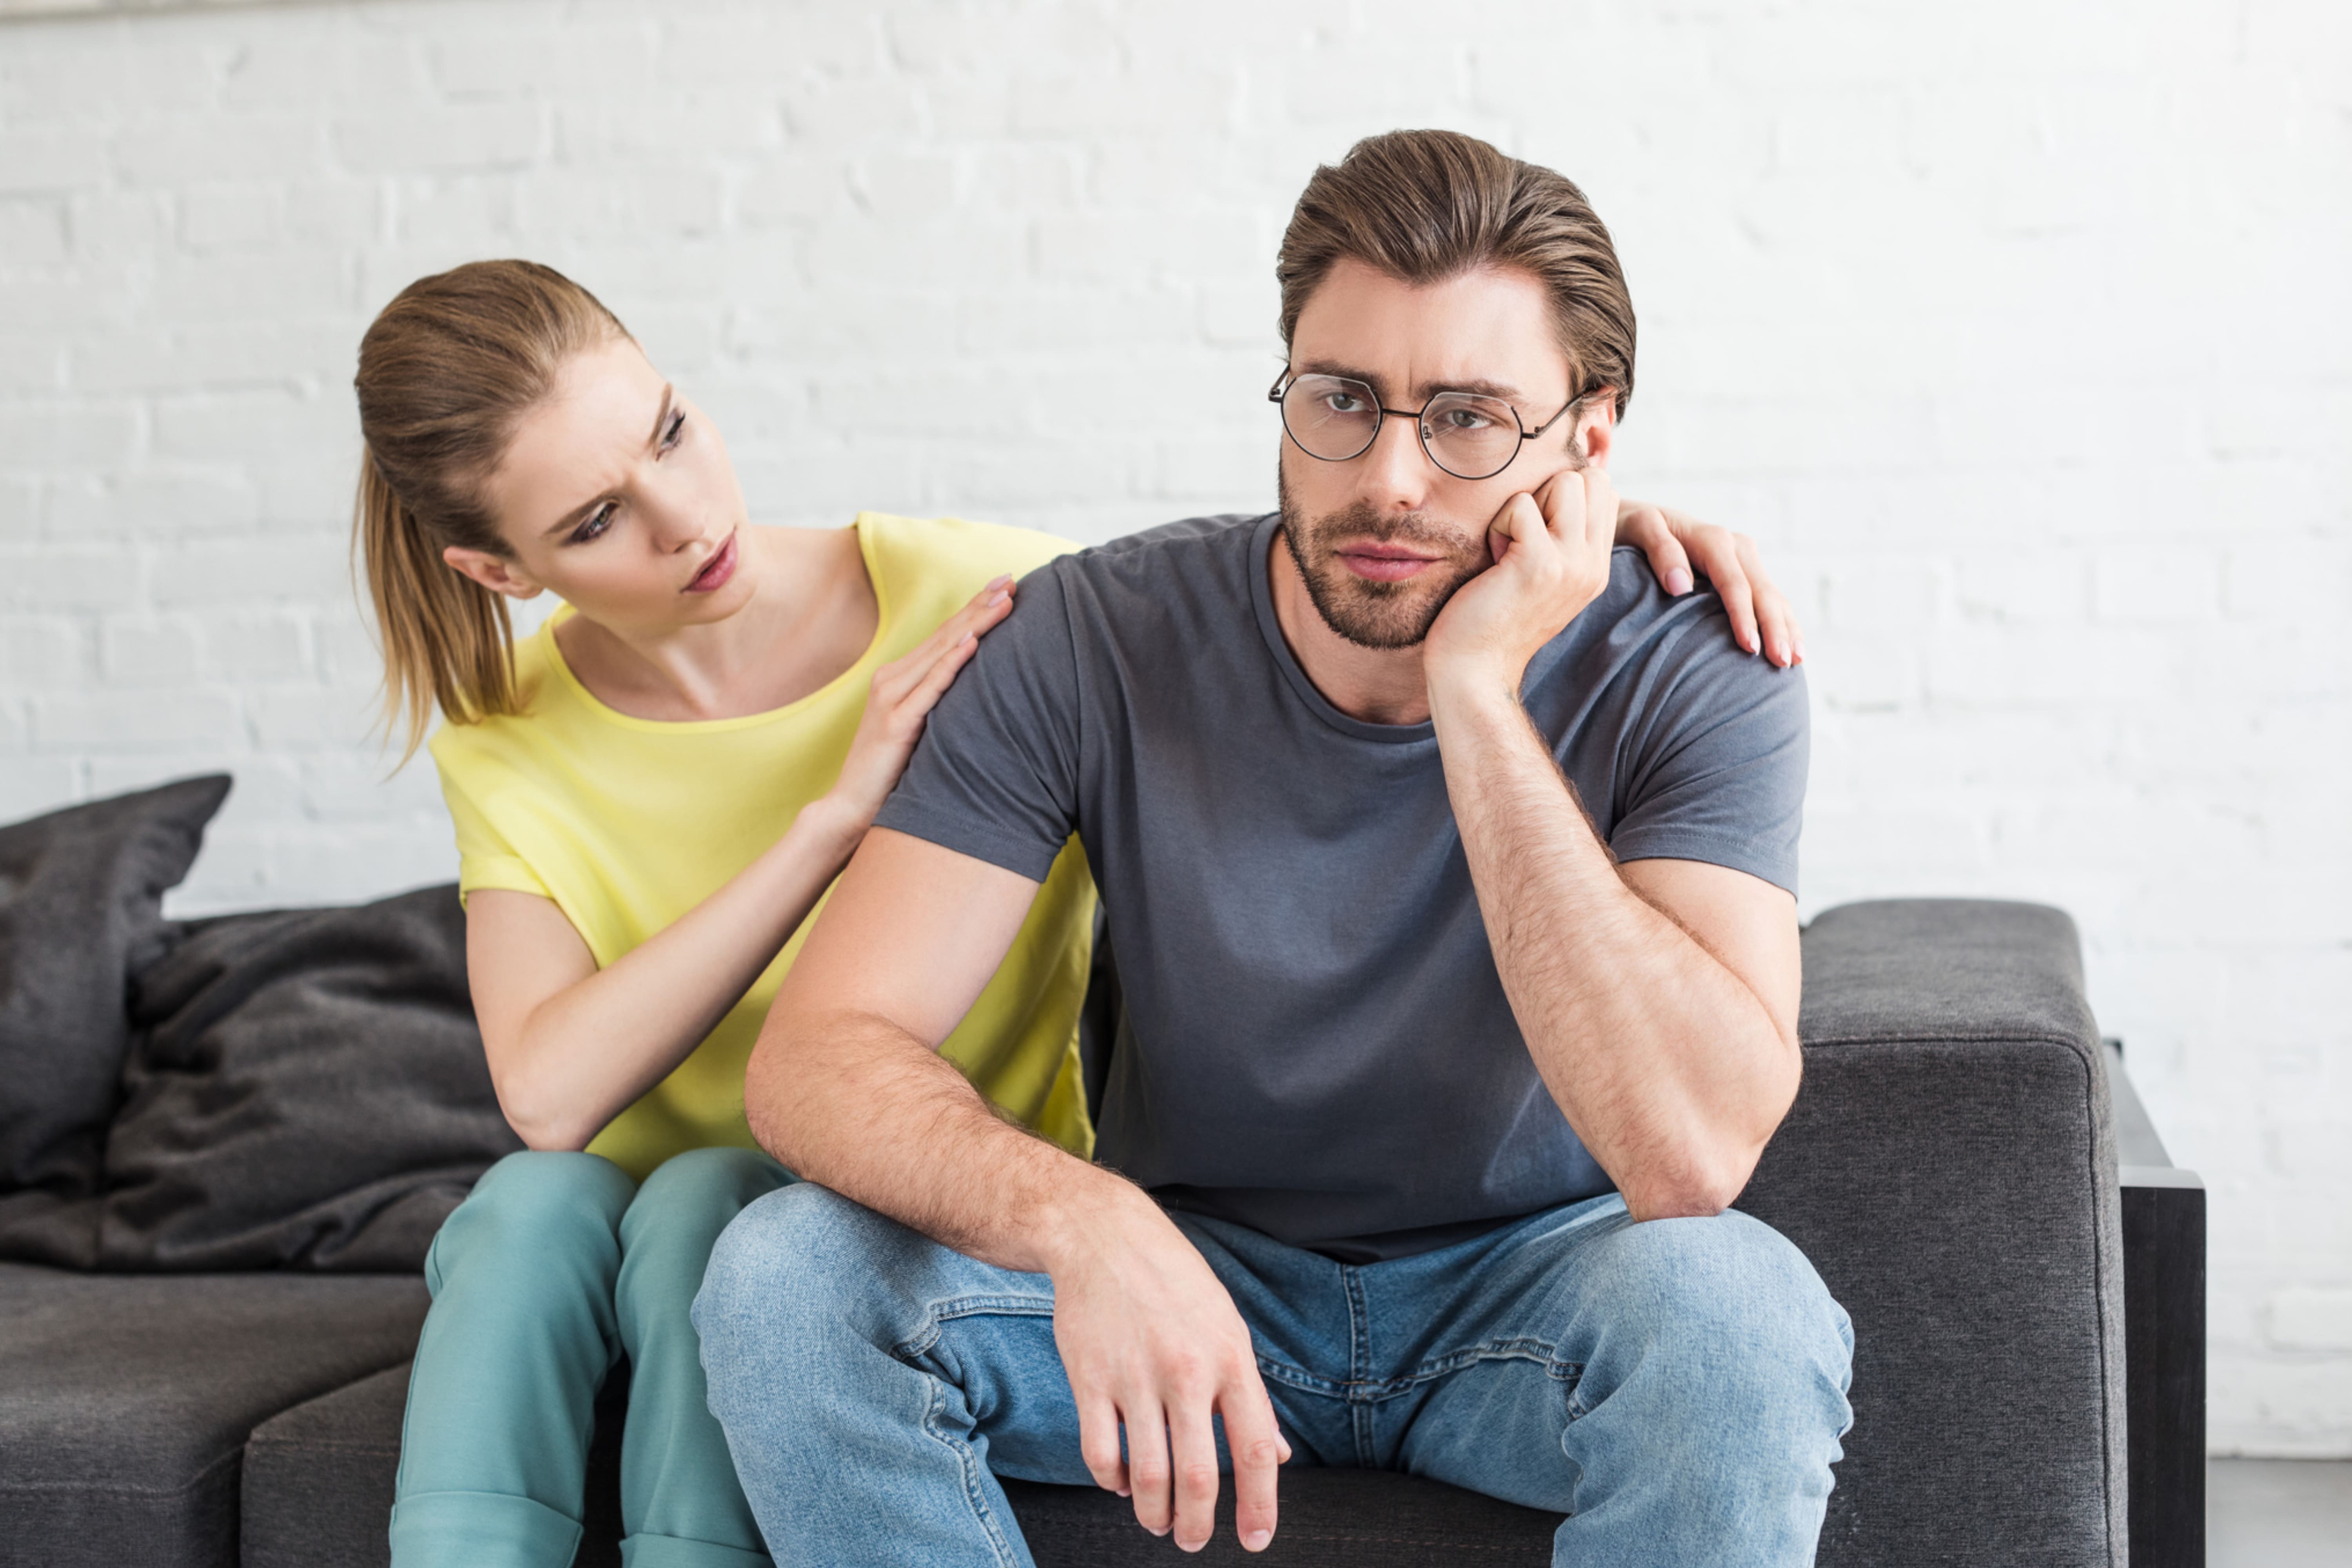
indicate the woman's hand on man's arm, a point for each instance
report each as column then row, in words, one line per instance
column 1676, row 542
column 572, row 1044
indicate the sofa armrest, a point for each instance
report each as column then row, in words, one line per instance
column 2164, row 1335
column 1950, row 1168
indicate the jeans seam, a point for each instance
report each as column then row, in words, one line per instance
column 1360, row 1352
column 919, row 1343
column 968, row 1467
column 1363, row 1390
column 1521, row 1348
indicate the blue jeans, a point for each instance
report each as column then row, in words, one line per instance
column 553, row 1268
column 1676, row 1387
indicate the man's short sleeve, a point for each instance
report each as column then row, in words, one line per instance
column 996, row 774
column 1718, row 773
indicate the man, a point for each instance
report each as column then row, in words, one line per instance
column 1448, row 863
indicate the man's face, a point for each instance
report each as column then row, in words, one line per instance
column 1384, row 539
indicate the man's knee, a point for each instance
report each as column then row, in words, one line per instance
column 784, row 1275
column 1731, row 1307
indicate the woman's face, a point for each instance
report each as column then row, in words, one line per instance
column 617, row 496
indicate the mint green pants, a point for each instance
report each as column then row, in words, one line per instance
column 553, row 1269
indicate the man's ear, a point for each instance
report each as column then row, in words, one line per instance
column 1596, row 428
column 495, row 573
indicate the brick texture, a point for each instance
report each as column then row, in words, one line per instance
column 2014, row 331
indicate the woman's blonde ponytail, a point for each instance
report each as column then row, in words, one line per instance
column 448, row 642
column 444, row 373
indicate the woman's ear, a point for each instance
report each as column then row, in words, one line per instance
column 495, row 573
column 1596, row 428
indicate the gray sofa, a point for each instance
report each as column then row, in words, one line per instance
column 1950, row 1166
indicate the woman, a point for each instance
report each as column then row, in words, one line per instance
column 651, row 795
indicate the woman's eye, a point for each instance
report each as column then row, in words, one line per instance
column 597, row 522
column 677, row 426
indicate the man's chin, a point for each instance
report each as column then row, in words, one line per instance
column 1383, row 616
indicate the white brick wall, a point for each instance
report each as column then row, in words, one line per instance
column 2015, row 330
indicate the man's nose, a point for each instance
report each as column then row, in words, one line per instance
column 1395, row 471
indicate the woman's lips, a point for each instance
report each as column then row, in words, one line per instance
column 715, row 571
column 1382, row 564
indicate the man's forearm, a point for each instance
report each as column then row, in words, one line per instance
column 856, row 1103
column 1667, row 1065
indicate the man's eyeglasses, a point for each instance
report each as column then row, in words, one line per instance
column 1467, row 434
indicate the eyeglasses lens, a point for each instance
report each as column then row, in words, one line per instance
column 1469, row 437
column 1330, row 417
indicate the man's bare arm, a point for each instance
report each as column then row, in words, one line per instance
column 846, row 1087
column 1659, row 999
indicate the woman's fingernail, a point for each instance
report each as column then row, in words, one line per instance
column 1001, row 581
column 1801, row 650
column 1678, row 582
column 998, row 597
column 1256, row 1539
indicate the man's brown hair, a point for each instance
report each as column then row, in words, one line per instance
column 1426, row 205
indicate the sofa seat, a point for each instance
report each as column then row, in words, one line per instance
column 317, row 1488
column 126, row 1400
column 1950, row 1166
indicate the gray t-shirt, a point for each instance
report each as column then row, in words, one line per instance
column 1316, row 1043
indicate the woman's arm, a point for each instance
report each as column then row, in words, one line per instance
column 571, row 1046
column 1675, row 541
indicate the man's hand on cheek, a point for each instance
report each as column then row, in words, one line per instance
column 1551, row 550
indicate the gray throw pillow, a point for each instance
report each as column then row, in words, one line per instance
column 308, row 1090
column 81, row 895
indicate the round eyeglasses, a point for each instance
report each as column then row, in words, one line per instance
column 1466, row 434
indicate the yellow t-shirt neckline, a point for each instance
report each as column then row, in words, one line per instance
column 625, row 824
column 884, row 624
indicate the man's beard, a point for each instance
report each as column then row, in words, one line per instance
column 1379, row 614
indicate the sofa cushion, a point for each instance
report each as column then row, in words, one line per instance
column 1948, row 1167
column 80, row 905
column 307, row 1089
column 318, row 1478
column 1330, row 1519
column 317, row 1490
column 125, row 1401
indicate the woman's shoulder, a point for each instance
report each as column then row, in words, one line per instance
column 498, row 736
column 952, row 556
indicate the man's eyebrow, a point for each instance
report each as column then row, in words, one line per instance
column 579, row 514
column 1422, row 391
column 1333, row 368
column 1483, row 388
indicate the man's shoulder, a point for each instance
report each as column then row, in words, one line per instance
column 1183, row 547
column 1191, row 571
column 1668, row 652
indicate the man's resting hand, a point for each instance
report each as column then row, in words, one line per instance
column 1151, row 1342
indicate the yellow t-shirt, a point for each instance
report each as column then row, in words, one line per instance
column 627, row 823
